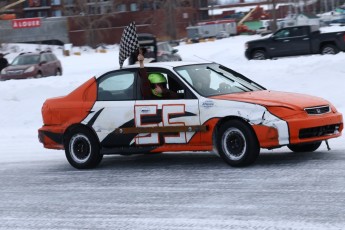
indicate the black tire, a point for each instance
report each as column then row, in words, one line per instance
column 82, row 149
column 308, row 147
column 58, row 72
column 39, row 75
column 259, row 55
column 329, row 49
column 237, row 143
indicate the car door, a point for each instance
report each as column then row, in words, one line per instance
column 167, row 122
column 114, row 108
column 300, row 41
column 289, row 41
column 44, row 65
column 50, row 64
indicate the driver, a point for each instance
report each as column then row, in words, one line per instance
column 201, row 82
column 153, row 86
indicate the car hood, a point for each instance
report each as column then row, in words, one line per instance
column 259, row 40
column 17, row 67
column 269, row 98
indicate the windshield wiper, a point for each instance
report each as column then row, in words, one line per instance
column 241, row 77
column 220, row 73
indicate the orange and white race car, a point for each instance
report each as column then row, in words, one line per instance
column 217, row 109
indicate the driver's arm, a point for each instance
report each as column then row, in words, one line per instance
column 145, row 85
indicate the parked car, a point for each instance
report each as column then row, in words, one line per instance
column 154, row 51
column 174, row 43
column 148, row 44
column 217, row 109
column 222, row 34
column 167, row 53
column 263, row 31
column 32, row 65
column 195, row 38
column 296, row 40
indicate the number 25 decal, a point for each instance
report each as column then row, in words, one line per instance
column 156, row 118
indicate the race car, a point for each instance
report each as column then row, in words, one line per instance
column 217, row 109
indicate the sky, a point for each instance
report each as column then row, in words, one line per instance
column 21, row 100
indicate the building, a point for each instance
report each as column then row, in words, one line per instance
column 102, row 21
column 301, row 19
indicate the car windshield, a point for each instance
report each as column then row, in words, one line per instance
column 164, row 47
column 26, row 60
column 215, row 79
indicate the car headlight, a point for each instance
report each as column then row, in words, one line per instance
column 3, row 71
column 30, row 69
column 285, row 111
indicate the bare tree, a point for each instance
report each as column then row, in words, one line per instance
column 90, row 16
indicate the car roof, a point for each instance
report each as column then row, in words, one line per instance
column 28, row 54
column 165, row 65
column 34, row 53
column 171, row 64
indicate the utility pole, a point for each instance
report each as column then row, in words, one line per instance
column 274, row 16
column 171, row 23
column 326, row 5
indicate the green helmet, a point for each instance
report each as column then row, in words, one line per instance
column 156, row 78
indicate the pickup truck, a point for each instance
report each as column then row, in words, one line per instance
column 296, row 40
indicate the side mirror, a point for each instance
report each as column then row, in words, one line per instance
column 174, row 51
column 43, row 62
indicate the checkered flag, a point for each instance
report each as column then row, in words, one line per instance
column 129, row 43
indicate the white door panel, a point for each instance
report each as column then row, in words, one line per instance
column 165, row 113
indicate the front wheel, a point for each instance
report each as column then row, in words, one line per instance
column 58, row 72
column 237, row 143
column 82, row 149
column 308, row 147
column 259, row 55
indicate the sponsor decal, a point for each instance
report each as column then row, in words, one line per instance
column 26, row 23
column 207, row 104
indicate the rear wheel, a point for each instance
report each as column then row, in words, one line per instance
column 329, row 49
column 259, row 55
column 308, row 147
column 82, row 149
column 237, row 144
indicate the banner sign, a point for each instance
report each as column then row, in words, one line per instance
column 26, row 23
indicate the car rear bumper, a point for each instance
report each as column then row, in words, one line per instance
column 51, row 137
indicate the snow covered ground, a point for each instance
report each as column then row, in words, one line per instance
column 20, row 151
